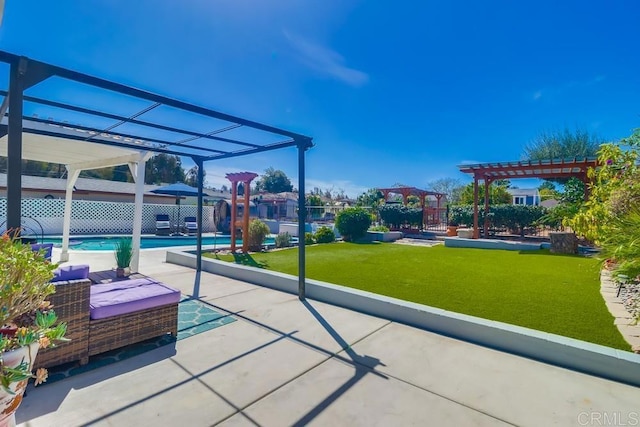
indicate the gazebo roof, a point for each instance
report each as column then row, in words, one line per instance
column 71, row 146
column 544, row 169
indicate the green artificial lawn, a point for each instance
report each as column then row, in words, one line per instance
column 535, row 289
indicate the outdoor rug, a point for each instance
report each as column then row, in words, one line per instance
column 194, row 317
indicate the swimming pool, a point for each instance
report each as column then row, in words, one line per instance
column 107, row 243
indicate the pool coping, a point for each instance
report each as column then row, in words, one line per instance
column 593, row 359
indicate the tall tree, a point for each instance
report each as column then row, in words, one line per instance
column 164, row 168
column 191, row 177
column 498, row 194
column 450, row 187
column 565, row 144
column 274, row 181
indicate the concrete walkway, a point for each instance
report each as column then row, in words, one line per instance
column 285, row 362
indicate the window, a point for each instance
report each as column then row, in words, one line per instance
column 519, row 200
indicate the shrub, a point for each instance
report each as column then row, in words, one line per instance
column 513, row 217
column 325, row 235
column 380, row 228
column 258, row 231
column 283, row 240
column 396, row 216
column 309, row 239
column 353, row 223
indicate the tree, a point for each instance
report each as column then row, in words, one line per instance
column 548, row 191
column 191, row 177
column 450, row 187
column 274, row 181
column 615, row 191
column 371, row 198
column 164, row 168
column 565, row 144
column 315, row 206
column 498, row 194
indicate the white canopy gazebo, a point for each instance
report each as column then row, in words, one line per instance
column 78, row 155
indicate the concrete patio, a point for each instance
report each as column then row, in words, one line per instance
column 285, row 362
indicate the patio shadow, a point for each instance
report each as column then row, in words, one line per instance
column 246, row 259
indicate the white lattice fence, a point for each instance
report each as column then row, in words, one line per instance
column 89, row 217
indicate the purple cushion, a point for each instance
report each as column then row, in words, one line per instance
column 46, row 248
column 71, row 272
column 128, row 296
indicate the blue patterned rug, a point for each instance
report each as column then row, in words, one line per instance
column 194, row 317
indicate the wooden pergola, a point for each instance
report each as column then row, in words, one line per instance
column 542, row 169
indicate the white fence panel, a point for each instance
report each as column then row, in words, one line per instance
column 45, row 216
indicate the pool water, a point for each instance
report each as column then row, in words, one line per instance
column 108, row 243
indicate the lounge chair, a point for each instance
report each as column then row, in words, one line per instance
column 190, row 225
column 163, row 225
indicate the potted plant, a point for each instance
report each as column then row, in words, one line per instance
column 123, row 253
column 27, row 320
column 452, row 228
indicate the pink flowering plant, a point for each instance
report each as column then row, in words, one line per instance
column 25, row 315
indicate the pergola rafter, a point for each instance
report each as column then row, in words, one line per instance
column 17, row 127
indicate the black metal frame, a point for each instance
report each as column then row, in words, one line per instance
column 25, row 73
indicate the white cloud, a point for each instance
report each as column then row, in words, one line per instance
column 325, row 61
column 572, row 85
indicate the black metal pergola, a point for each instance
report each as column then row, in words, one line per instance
column 229, row 137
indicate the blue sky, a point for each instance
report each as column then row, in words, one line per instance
column 391, row 92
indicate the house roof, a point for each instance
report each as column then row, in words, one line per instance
column 90, row 185
column 523, row 191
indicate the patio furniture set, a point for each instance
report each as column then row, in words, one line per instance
column 106, row 316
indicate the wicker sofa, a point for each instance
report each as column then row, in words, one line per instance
column 90, row 336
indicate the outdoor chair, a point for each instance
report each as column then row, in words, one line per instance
column 163, row 225
column 190, row 225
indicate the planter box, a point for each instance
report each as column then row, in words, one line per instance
column 380, row 236
column 465, row 233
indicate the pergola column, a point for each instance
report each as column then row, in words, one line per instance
column 487, row 183
column 476, row 233
column 245, row 178
column 234, row 206
column 137, row 170
column 245, row 218
column 72, row 177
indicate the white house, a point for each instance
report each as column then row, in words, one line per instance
column 525, row 196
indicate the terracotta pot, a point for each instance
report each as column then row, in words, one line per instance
column 452, row 230
column 9, row 402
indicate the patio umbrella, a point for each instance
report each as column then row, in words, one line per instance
column 178, row 189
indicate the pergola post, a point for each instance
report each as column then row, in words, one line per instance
column 234, row 207
column 72, row 177
column 485, row 231
column 138, row 172
column 301, row 223
column 200, row 165
column 14, row 147
column 245, row 217
column 476, row 233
